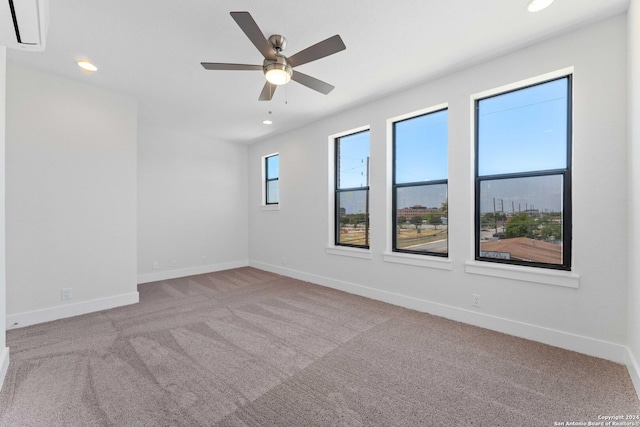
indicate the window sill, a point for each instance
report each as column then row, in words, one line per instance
column 270, row 207
column 418, row 260
column 525, row 274
column 350, row 252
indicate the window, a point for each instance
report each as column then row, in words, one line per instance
column 523, row 176
column 271, row 181
column 352, row 190
column 420, row 169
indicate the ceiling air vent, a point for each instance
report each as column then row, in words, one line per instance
column 24, row 24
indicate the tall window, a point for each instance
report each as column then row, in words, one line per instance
column 352, row 190
column 271, row 179
column 420, row 207
column 523, row 176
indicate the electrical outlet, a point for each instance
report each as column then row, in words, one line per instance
column 476, row 300
column 204, row 259
column 174, row 263
column 155, row 265
column 66, row 293
column 284, row 260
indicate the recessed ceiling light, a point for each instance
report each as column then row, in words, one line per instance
column 86, row 65
column 537, row 5
column 267, row 122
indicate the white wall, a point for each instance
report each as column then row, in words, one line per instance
column 70, row 197
column 4, row 351
column 591, row 318
column 192, row 204
column 634, row 191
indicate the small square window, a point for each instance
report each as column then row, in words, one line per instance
column 271, row 179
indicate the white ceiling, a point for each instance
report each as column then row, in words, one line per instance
column 152, row 49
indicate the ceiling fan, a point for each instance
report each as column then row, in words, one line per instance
column 277, row 68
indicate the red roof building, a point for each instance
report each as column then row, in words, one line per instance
column 525, row 249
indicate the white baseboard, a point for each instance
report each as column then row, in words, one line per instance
column 634, row 370
column 4, row 364
column 20, row 320
column 593, row 347
column 191, row 271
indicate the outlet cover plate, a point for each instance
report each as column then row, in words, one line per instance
column 67, row 293
column 475, row 301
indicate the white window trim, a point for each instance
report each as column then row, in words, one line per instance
column 273, row 207
column 427, row 261
column 544, row 276
column 349, row 252
column 418, row 260
column 263, row 184
column 332, row 248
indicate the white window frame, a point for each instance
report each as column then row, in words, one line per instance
column 419, row 260
column 332, row 248
column 263, row 184
column 514, row 272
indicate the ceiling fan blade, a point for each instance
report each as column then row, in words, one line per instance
column 312, row 82
column 319, row 50
column 222, row 66
column 267, row 92
column 251, row 29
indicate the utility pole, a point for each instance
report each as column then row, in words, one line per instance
column 495, row 220
column 366, row 218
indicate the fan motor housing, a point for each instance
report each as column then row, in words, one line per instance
column 278, row 42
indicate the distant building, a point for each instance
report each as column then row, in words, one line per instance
column 416, row 210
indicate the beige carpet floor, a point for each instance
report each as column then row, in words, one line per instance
column 246, row 347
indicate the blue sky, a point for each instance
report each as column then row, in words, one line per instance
column 421, row 147
column 352, row 171
column 523, row 130
column 354, row 152
column 273, row 167
column 518, row 131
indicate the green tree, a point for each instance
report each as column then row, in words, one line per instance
column 520, row 225
column 416, row 220
column 489, row 219
column 401, row 220
column 359, row 218
column 551, row 230
column 434, row 219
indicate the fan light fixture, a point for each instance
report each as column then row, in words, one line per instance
column 86, row 65
column 277, row 76
column 278, row 71
column 537, row 5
